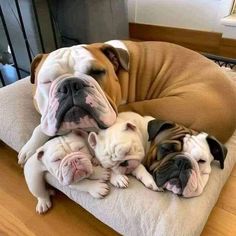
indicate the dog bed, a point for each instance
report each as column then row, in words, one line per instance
column 132, row 211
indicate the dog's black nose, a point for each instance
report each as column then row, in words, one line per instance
column 71, row 86
column 177, row 169
column 182, row 164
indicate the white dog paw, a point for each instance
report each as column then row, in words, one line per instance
column 99, row 190
column 43, row 205
column 119, row 181
column 100, row 173
column 24, row 155
column 150, row 183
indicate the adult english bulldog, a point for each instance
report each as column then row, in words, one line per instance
column 178, row 158
column 85, row 85
column 69, row 160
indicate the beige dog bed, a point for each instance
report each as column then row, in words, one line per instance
column 132, row 211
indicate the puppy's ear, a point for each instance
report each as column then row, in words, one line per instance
column 40, row 153
column 34, row 65
column 156, row 126
column 130, row 126
column 118, row 56
column 92, row 139
column 217, row 149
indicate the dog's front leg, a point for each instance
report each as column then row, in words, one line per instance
column 118, row 180
column 34, row 175
column 97, row 188
column 37, row 139
column 142, row 174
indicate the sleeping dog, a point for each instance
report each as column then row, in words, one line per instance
column 68, row 159
column 177, row 158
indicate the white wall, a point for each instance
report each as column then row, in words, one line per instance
column 202, row 15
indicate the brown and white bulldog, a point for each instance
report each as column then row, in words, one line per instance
column 84, row 86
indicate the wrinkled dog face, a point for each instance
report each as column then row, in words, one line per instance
column 77, row 87
column 118, row 147
column 67, row 158
column 187, row 172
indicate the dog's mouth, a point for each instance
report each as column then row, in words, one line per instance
column 77, row 117
column 182, row 176
column 77, row 102
column 173, row 174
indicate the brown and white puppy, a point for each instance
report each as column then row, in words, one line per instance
column 85, row 85
column 179, row 159
column 68, row 159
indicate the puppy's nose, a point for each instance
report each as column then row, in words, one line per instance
column 184, row 167
column 71, row 86
column 182, row 164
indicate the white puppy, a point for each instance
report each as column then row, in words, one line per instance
column 122, row 147
column 69, row 160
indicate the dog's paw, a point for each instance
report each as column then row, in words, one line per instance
column 119, row 181
column 99, row 189
column 25, row 153
column 149, row 183
column 100, row 173
column 43, row 205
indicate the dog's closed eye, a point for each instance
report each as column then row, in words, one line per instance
column 97, row 72
column 201, row 161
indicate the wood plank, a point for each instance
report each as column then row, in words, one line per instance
column 203, row 41
column 193, row 39
column 221, row 223
column 11, row 225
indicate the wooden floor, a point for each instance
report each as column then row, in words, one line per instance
column 18, row 217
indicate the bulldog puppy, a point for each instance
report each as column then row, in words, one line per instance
column 122, row 148
column 85, row 85
column 68, row 159
column 179, row 158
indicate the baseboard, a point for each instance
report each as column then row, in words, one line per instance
column 210, row 42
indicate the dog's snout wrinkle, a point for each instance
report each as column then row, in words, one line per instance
column 71, row 86
column 182, row 164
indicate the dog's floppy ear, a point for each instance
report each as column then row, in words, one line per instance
column 118, row 56
column 34, row 65
column 217, row 149
column 92, row 139
column 156, row 126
